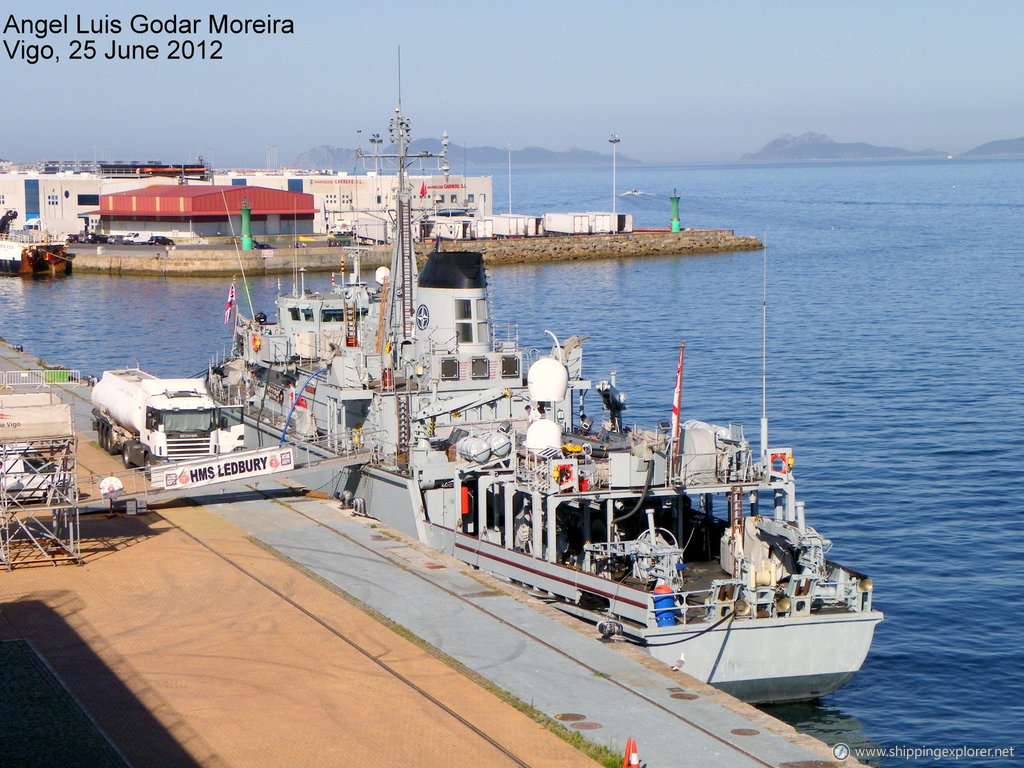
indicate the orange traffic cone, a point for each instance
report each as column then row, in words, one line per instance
column 631, row 756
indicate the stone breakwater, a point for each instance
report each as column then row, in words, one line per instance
column 220, row 259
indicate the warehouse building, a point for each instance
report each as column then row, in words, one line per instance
column 183, row 212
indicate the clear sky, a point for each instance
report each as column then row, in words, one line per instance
column 678, row 81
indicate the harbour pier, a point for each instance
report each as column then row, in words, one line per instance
column 222, row 258
column 265, row 625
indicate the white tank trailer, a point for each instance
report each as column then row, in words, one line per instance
column 149, row 420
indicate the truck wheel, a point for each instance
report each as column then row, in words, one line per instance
column 109, row 436
column 126, row 456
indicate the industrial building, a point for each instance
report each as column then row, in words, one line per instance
column 204, row 211
column 66, row 200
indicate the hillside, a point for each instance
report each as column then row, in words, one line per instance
column 1001, row 148
column 817, row 146
column 343, row 159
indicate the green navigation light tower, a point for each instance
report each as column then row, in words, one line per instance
column 675, row 210
column 246, row 211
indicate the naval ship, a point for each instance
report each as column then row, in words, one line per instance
column 680, row 538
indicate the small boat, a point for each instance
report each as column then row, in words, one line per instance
column 30, row 252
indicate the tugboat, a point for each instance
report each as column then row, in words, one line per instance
column 681, row 539
column 29, row 253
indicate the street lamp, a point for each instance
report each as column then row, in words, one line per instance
column 614, row 140
column 510, row 179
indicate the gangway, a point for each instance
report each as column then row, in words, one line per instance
column 138, row 487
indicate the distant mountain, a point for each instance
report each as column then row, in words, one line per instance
column 817, row 146
column 341, row 159
column 1001, row 148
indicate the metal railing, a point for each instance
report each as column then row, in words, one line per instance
column 39, row 376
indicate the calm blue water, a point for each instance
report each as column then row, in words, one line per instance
column 896, row 362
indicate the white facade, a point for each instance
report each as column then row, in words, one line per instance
column 362, row 203
column 65, row 203
column 60, row 203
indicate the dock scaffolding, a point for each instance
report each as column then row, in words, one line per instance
column 38, row 484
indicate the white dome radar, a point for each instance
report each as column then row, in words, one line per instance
column 543, row 434
column 547, row 380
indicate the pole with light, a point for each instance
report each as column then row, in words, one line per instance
column 614, row 140
column 510, row 179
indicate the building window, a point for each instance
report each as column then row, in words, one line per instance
column 53, row 199
column 471, row 198
column 82, row 200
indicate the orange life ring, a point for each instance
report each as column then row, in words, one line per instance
column 255, row 343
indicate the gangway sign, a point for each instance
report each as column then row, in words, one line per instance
column 230, row 466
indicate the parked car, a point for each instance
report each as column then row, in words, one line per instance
column 261, row 246
column 95, row 237
column 160, row 240
column 75, row 238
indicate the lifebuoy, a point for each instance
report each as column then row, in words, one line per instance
column 562, row 474
column 255, row 343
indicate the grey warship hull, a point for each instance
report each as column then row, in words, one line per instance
column 680, row 539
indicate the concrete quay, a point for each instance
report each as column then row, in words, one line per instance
column 221, row 259
column 265, row 626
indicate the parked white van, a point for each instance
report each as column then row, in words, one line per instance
column 136, row 238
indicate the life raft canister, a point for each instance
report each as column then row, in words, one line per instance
column 256, row 342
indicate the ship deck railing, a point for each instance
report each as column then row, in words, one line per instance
column 30, row 236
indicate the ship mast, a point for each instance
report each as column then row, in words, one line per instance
column 400, row 325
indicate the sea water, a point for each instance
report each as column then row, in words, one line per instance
column 894, row 369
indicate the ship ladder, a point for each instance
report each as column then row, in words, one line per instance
column 408, row 266
column 736, row 519
column 351, row 337
column 382, row 319
column 402, row 406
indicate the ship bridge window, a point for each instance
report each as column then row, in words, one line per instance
column 307, row 314
column 332, row 315
column 471, row 321
column 480, row 368
column 449, row 368
column 293, row 313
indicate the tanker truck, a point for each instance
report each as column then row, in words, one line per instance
column 149, row 420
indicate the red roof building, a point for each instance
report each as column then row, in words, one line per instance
column 206, row 211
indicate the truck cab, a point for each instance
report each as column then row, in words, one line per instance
column 149, row 420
